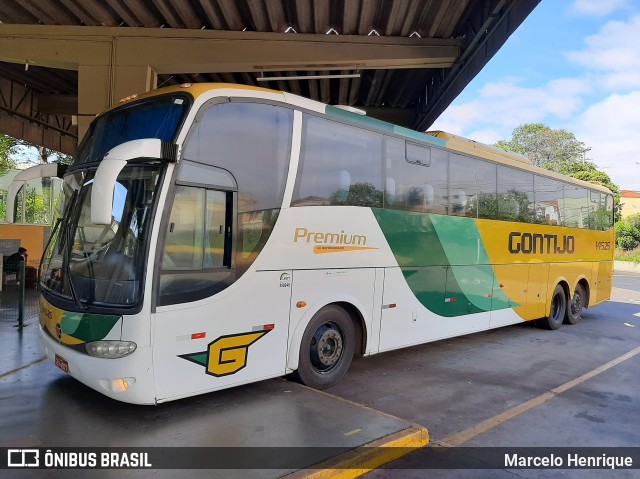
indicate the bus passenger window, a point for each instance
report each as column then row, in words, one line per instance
column 515, row 195
column 549, row 197
column 416, row 177
column 339, row 165
column 576, row 206
column 472, row 187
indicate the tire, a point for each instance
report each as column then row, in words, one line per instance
column 557, row 311
column 326, row 349
column 576, row 306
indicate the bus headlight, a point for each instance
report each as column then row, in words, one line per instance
column 110, row 349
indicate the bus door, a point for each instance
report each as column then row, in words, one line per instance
column 210, row 329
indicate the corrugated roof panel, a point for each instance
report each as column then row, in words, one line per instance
column 393, row 88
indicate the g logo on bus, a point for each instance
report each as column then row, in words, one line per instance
column 227, row 354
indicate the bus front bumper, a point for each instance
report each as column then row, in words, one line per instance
column 128, row 379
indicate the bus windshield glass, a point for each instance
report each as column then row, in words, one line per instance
column 102, row 265
column 159, row 117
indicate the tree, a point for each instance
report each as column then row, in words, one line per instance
column 559, row 151
column 627, row 235
column 38, row 153
column 359, row 194
column 543, row 145
column 7, row 163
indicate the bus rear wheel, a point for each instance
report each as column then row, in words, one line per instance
column 326, row 349
column 576, row 306
column 557, row 312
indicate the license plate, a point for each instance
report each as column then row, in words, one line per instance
column 62, row 363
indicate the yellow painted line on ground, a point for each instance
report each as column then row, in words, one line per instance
column 464, row 436
column 368, row 457
column 364, row 459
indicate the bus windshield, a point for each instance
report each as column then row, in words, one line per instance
column 159, row 117
column 102, row 265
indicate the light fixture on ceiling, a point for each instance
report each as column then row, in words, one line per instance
column 308, row 77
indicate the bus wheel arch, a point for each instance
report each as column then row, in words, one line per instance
column 578, row 301
column 557, row 307
column 359, row 327
column 328, row 344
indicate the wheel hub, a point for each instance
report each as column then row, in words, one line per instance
column 327, row 348
column 576, row 304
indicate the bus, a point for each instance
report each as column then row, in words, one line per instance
column 213, row 235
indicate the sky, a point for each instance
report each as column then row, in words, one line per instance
column 572, row 65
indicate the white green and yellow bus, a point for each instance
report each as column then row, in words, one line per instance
column 213, row 235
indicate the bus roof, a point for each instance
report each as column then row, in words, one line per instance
column 438, row 138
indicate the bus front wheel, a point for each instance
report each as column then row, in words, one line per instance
column 576, row 306
column 557, row 311
column 326, row 349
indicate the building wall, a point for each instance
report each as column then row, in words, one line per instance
column 32, row 237
column 630, row 202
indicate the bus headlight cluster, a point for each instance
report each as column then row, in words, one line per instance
column 110, row 349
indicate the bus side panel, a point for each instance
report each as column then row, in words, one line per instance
column 406, row 321
column 525, row 286
column 601, row 287
column 234, row 337
column 513, row 281
column 537, row 289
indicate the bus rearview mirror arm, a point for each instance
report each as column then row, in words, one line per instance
column 112, row 164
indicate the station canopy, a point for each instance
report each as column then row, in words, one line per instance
column 402, row 61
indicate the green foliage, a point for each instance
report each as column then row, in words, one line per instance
column 627, row 235
column 627, row 255
column 359, row 194
column 559, row 151
column 542, row 144
column 634, row 220
column 6, row 150
column 36, row 208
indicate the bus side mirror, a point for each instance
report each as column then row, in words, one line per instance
column 38, row 171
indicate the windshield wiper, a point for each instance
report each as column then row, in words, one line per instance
column 66, row 264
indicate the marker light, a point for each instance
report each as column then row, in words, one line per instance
column 117, row 385
column 128, row 98
column 110, row 349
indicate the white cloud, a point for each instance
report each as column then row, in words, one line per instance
column 503, row 106
column 598, row 7
column 600, row 105
column 613, row 53
column 610, row 128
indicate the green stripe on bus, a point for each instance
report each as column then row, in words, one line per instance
column 462, row 243
column 87, row 327
column 443, row 262
column 373, row 123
